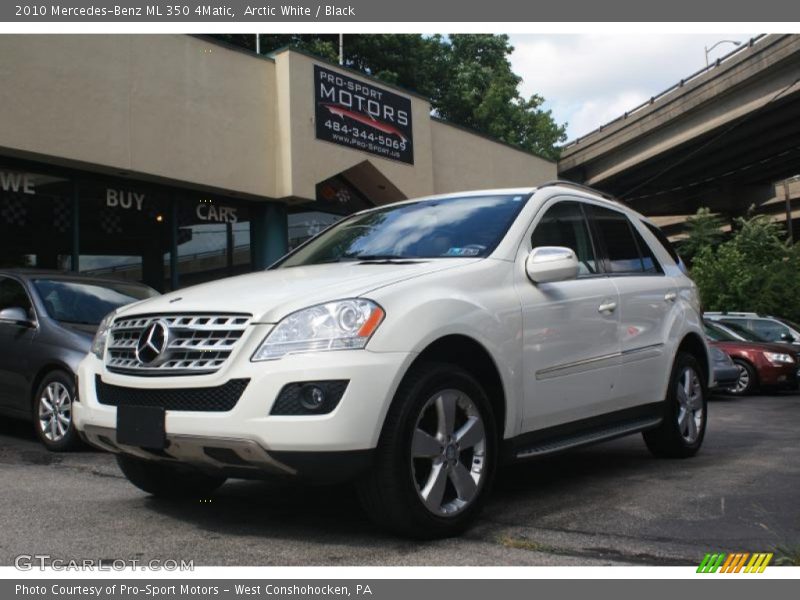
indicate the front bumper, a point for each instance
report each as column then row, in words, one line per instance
column 247, row 437
column 725, row 376
column 778, row 376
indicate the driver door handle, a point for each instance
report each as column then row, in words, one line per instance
column 608, row 307
column 670, row 296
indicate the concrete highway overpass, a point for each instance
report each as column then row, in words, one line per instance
column 725, row 137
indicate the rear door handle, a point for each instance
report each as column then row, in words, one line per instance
column 607, row 307
column 670, row 296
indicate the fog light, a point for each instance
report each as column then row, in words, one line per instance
column 309, row 397
column 312, row 397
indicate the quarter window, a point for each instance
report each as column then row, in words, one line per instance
column 564, row 225
column 664, row 241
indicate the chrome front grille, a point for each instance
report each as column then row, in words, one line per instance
column 195, row 343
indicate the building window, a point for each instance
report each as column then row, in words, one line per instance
column 36, row 219
column 125, row 232
column 213, row 239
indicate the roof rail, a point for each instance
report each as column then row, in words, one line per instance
column 577, row 186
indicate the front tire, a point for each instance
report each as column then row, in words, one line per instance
column 167, row 481
column 52, row 412
column 437, row 455
column 681, row 433
column 748, row 379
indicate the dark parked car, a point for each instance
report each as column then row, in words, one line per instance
column 47, row 322
column 767, row 328
column 726, row 373
column 761, row 364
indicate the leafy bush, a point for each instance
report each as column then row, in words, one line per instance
column 754, row 270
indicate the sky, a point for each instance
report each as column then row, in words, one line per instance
column 588, row 80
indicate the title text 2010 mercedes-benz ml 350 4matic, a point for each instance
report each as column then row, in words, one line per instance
column 411, row 348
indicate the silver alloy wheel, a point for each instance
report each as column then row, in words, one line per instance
column 448, row 452
column 744, row 379
column 690, row 405
column 55, row 411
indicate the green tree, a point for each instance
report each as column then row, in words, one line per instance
column 755, row 270
column 704, row 230
column 468, row 78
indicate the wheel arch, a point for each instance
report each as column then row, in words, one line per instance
column 693, row 344
column 43, row 372
column 471, row 355
column 745, row 359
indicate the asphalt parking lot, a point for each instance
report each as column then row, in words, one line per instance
column 606, row 504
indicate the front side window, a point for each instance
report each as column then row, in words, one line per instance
column 461, row 227
column 618, row 239
column 770, row 330
column 86, row 303
column 565, row 225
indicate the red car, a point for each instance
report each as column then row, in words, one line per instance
column 761, row 364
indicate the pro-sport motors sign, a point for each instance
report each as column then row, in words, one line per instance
column 361, row 116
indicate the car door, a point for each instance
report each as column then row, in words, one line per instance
column 771, row 330
column 15, row 347
column 648, row 308
column 570, row 328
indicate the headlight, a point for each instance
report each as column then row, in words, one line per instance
column 99, row 342
column 720, row 357
column 778, row 358
column 340, row 325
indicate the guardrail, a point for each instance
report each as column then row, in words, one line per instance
column 673, row 88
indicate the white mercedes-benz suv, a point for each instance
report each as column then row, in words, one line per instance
column 411, row 348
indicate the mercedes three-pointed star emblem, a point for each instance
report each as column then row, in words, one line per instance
column 152, row 343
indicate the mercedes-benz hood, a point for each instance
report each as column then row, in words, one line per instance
column 271, row 295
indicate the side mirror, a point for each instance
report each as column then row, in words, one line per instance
column 547, row 264
column 787, row 337
column 15, row 315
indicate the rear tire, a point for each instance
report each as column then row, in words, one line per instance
column 748, row 379
column 681, row 433
column 436, row 457
column 167, row 481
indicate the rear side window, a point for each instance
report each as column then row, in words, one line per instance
column 649, row 260
column 619, row 240
column 664, row 241
column 564, row 225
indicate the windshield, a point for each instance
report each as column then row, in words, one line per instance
column 87, row 303
column 446, row 228
column 743, row 332
column 717, row 334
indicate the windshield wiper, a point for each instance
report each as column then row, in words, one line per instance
column 376, row 257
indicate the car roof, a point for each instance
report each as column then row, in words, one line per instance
column 574, row 189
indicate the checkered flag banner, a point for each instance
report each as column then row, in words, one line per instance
column 14, row 211
column 343, row 196
column 62, row 215
column 110, row 222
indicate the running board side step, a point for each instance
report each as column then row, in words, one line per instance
column 585, row 438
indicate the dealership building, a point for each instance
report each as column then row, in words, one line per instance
column 176, row 159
